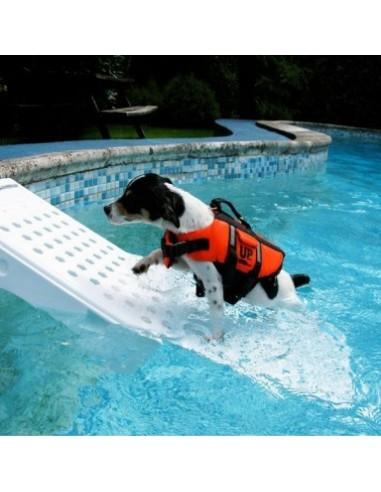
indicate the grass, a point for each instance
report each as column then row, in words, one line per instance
column 125, row 132
column 9, row 140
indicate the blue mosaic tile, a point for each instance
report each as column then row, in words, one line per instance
column 107, row 183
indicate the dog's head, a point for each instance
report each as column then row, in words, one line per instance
column 147, row 198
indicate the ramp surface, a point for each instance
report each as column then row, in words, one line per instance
column 55, row 263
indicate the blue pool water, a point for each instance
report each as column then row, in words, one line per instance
column 313, row 372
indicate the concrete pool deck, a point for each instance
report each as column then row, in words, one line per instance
column 244, row 130
column 273, row 140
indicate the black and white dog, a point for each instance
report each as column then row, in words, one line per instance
column 153, row 199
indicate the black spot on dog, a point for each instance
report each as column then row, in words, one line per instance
column 149, row 192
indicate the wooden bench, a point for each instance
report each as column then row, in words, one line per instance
column 127, row 114
column 35, row 95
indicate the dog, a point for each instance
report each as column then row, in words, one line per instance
column 153, row 199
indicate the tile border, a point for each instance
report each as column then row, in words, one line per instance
column 95, row 185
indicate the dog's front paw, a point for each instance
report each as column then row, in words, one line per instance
column 140, row 267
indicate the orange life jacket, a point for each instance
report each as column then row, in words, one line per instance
column 242, row 257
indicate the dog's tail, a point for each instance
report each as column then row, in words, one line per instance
column 300, row 279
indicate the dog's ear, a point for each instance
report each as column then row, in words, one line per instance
column 172, row 208
column 168, row 213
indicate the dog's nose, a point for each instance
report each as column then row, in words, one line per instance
column 107, row 209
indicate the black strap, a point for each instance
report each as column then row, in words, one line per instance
column 216, row 204
column 181, row 248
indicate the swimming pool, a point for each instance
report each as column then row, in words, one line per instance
column 314, row 372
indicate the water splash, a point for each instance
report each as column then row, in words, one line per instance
column 282, row 350
column 286, row 351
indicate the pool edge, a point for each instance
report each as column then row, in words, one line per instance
column 27, row 170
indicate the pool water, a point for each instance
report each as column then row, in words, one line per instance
column 311, row 372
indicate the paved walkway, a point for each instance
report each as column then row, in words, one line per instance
column 243, row 130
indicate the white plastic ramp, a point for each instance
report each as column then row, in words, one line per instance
column 55, row 263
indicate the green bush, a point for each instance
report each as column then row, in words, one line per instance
column 188, row 101
column 147, row 94
column 222, row 74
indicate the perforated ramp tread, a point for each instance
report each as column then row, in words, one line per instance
column 56, row 263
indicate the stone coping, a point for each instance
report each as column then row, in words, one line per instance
column 32, row 169
column 334, row 126
column 302, row 136
column 345, row 132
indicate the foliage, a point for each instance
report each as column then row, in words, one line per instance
column 334, row 89
column 149, row 93
column 223, row 77
column 189, row 101
column 276, row 87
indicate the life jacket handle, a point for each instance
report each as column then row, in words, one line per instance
column 215, row 204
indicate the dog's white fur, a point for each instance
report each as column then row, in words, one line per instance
column 198, row 215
